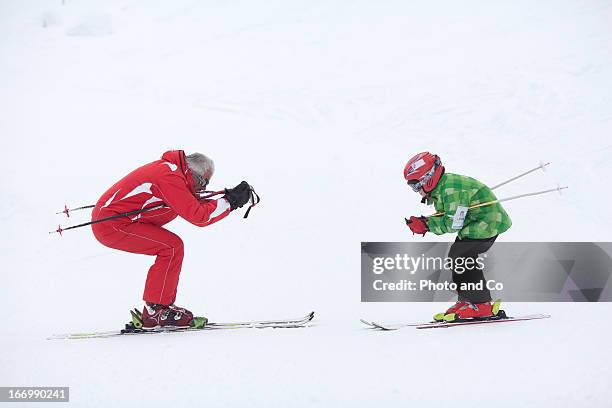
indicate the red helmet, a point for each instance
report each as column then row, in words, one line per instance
column 423, row 171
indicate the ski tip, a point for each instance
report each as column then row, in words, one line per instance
column 380, row 326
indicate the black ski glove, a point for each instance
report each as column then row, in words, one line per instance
column 239, row 195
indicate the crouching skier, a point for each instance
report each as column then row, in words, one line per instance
column 476, row 228
column 174, row 181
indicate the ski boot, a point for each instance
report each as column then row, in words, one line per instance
column 136, row 325
column 197, row 322
column 476, row 311
column 439, row 317
column 155, row 316
column 178, row 309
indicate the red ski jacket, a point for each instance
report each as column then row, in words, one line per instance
column 167, row 181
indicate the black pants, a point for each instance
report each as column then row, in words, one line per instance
column 467, row 248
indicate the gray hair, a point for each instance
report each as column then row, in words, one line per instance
column 200, row 164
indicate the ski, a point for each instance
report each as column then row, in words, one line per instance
column 367, row 323
column 484, row 321
column 136, row 313
column 130, row 330
column 394, row 326
column 433, row 325
column 300, row 321
column 387, row 326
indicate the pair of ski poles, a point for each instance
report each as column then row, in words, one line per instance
column 541, row 166
column 203, row 195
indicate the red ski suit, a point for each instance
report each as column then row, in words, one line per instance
column 167, row 181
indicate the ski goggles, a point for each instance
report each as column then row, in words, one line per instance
column 203, row 181
column 417, row 185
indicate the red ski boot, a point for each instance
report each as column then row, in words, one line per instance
column 438, row 317
column 182, row 310
column 155, row 316
column 474, row 311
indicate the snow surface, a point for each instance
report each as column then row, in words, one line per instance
column 318, row 104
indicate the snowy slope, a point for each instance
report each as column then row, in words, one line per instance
column 318, row 104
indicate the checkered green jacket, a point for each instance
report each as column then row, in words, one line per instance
column 453, row 192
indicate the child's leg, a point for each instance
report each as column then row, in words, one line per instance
column 464, row 252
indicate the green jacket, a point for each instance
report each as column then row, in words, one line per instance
column 454, row 191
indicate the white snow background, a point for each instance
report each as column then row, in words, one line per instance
column 318, row 104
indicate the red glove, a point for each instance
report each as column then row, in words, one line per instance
column 418, row 225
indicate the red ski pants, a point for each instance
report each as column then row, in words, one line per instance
column 149, row 238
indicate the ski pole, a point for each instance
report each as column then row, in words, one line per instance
column 67, row 210
column 203, row 195
column 541, row 166
column 255, row 199
column 59, row 229
column 504, row 199
column 209, row 194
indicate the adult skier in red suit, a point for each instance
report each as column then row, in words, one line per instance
column 174, row 181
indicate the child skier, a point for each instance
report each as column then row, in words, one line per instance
column 476, row 228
